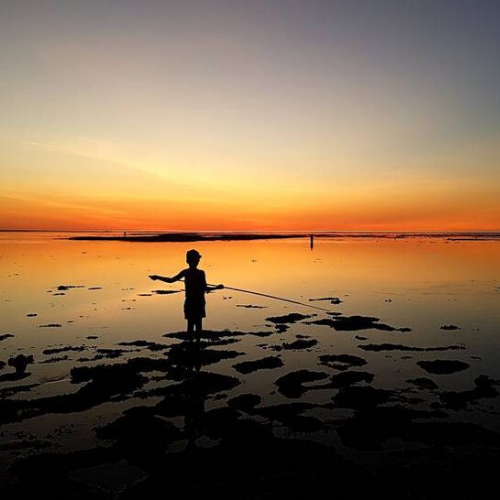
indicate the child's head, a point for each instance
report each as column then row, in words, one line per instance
column 193, row 257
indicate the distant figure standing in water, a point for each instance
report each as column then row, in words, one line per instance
column 196, row 287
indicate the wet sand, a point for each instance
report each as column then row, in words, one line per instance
column 173, row 435
column 198, row 433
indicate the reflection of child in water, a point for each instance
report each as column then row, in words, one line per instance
column 196, row 287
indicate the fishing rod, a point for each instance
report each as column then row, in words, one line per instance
column 251, row 292
column 274, row 297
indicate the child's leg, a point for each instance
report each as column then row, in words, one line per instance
column 190, row 328
column 198, row 326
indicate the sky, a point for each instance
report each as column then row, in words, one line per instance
column 348, row 115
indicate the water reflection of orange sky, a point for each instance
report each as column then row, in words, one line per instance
column 281, row 266
column 431, row 282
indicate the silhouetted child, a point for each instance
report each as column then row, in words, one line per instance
column 196, row 287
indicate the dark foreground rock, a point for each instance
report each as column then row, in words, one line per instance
column 20, row 362
column 291, row 384
column 150, row 433
column 361, row 397
column 267, row 363
column 332, row 300
column 68, row 287
column 55, row 359
column 484, row 387
column 166, row 292
column 443, row 367
column 349, row 378
column 57, row 350
column 296, row 345
column 355, row 323
column 251, row 306
column 245, row 402
column 405, row 348
column 341, row 361
column 104, row 354
column 183, row 431
column 291, row 416
column 214, row 335
column 249, row 461
column 423, row 383
column 289, row 318
column 152, row 346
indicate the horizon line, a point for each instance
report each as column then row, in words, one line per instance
column 275, row 231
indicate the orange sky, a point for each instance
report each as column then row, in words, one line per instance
column 250, row 116
column 377, row 210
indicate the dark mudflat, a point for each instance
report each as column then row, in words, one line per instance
column 332, row 300
column 289, row 318
column 291, row 384
column 349, row 378
column 245, row 402
column 57, row 350
column 217, row 439
column 361, row 397
column 341, row 361
column 211, row 335
column 68, row 287
column 443, row 367
column 55, row 359
column 296, row 345
column 423, row 383
column 405, row 348
column 267, row 363
column 251, row 306
column 484, row 387
column 152, row 346
column 355, row 323
column 104, row 354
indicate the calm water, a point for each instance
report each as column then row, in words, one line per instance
column 420, row 283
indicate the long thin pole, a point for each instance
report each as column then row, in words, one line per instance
column 274, row 297
column 268, row 296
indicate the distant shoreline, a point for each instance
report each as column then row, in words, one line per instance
column 194, row 237
column 185, row 237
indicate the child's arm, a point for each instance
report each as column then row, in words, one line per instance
column 211, row 288
column 177, row 277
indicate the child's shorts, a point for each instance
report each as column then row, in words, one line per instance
column 194, row 309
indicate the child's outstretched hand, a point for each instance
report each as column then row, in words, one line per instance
column 153, row 276
column 219, row 287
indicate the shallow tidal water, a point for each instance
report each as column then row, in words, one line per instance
column 86, row 303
